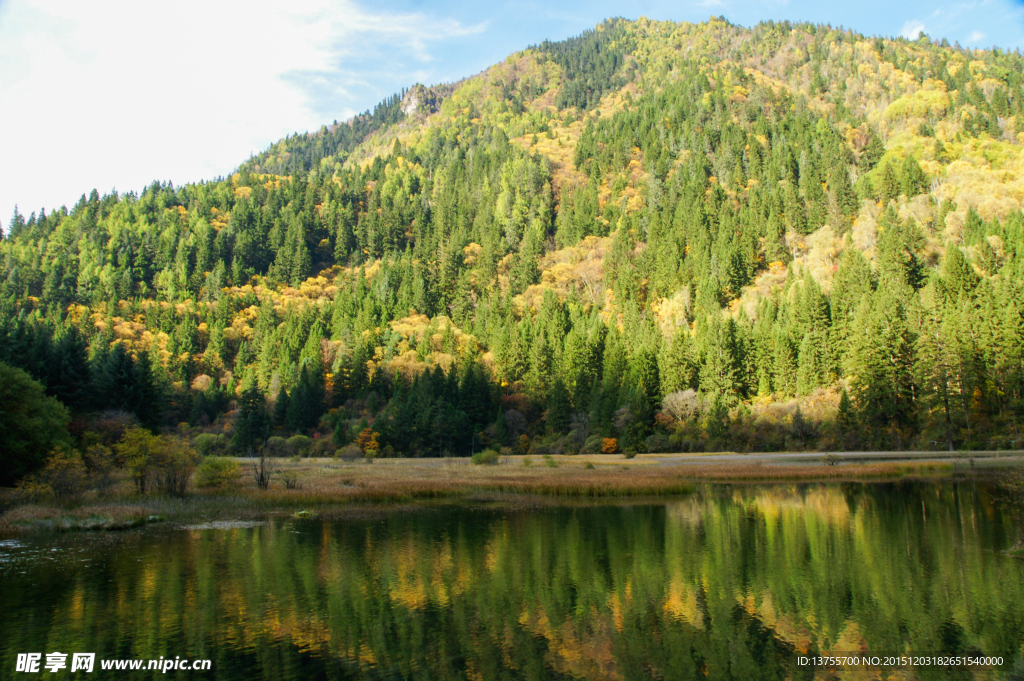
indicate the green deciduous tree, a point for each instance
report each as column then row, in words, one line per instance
column 31, row 424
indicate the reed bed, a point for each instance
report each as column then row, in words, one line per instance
column 35, row 517
column 403, row 480
column 319, row 485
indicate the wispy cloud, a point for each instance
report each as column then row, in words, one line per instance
column 120, row 92
column 912, row 29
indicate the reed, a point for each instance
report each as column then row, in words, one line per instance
column 317, row 485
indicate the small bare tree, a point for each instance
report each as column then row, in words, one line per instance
column 263, row 469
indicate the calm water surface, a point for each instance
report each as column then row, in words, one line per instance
column 730, row 583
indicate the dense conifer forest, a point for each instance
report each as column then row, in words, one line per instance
column 651, row 237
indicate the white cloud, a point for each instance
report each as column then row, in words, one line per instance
column 120, row 93
column 912, row 29
column 976, row 37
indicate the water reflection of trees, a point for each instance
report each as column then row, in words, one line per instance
column 730, row 584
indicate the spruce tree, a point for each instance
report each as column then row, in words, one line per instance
column 558, row 408
column 252, row 424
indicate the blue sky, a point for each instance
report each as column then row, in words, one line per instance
column 119, row 93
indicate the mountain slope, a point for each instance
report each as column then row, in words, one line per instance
column 675, row 236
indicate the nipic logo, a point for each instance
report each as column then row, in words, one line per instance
column 85, row 662
column 56, row 661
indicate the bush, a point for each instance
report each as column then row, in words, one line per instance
column 657, row 444
column 609, row 445
column 100, row 463
column 322, row 448
column 173, row 463
column 524, row 444
column 208, row 444
column 367, row 440
column 299, row 445
column 487, row 457
column 550, row 462
column 349, row 452
column 160, row 460
column 277, row 447
column 630, row 453
column 62, row 476
column 216, row 471
column 134, row 450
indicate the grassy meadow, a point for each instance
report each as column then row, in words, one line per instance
column 311, row 486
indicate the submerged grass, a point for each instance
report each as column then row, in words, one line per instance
column 318, row 485
column 35, row 517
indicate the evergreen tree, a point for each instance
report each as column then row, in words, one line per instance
column 558, row 408
column 252, row 425
column 281, row 408
column 880, row 367
column 71, row 376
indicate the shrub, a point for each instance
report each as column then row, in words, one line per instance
column 111, row 425
column 62, row 475
column 277, row 446
column 524, row 444
column 486, row 457
column 134, row 450
column 173, row 463
column 609, row 445
column 216, row 471
column 830, row 459
column 590, row 466
column 349, row 452
column 100, row 463
column 550, row 462
column 630, row 453
column 207, row 444
column 322, row 448
column 164, row 461
column 367, row 441
column 657, row 443
column 527, row 461
column 290, row 480
column 299, row 445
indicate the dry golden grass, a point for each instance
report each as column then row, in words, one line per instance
column 330, row 486
column 397, row 480
column 33, row 517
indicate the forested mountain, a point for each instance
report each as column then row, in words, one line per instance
column 675, row 236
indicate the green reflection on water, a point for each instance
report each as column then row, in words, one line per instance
column 728, row 583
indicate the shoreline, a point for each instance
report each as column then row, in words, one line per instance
column 329, row 486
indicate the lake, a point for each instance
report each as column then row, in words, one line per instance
column 728, row 583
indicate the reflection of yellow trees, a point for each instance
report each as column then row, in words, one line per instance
column 681, row 603
column 708, row 583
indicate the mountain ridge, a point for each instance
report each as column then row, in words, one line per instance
column 669, row 236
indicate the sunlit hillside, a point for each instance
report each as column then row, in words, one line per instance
column 651, row 237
